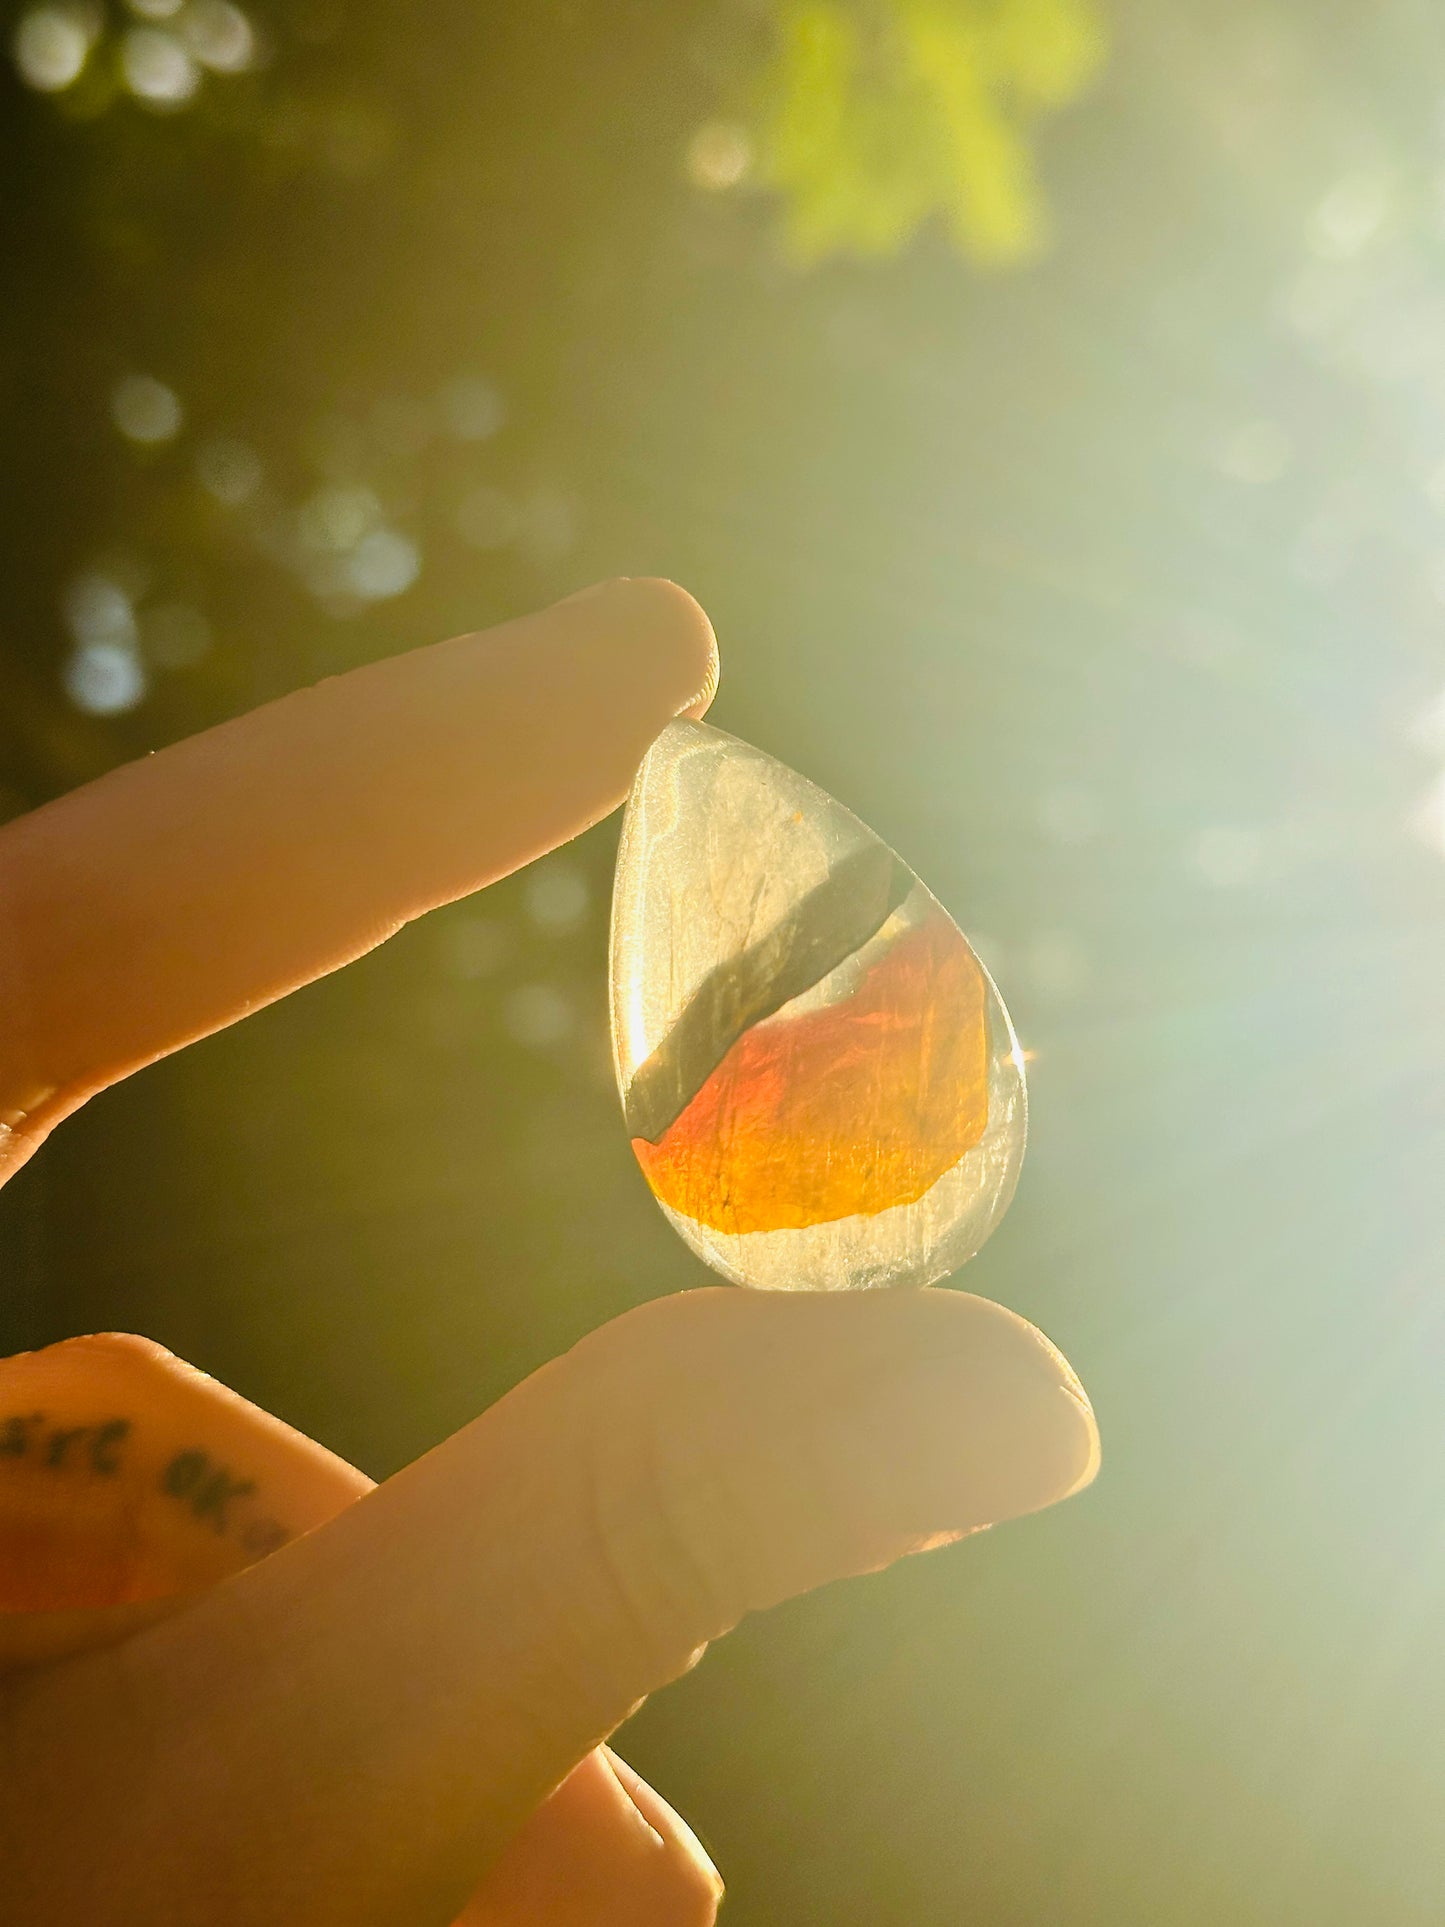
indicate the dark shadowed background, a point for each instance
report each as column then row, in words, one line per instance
column 1049, row 407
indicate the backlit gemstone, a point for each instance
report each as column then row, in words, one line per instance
column 820, row 1081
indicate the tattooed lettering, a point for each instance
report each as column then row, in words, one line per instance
column 264, row 1536
column 183, row 1474
column 65, row 1448
column 105, row 1443
column 59, row 1444
column 16, row 1434
column 216, row 1493
column 206, row 1488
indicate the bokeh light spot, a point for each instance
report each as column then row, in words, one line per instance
column 336, row 518
column 98, row 610
column 472, row 408
column 157, row 68
column 557, row 897
column 539, row 1016
column 145, row 410
column 383, row 564
column 229, row 469
column 219, row 36
column 104, row 679
column 51, row 45
column 718, row 156
column 1350, row 216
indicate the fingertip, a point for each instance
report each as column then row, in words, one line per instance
column 1093, row 1453
column 667, row 632
column 1042, row 1392
column 697, row 1879
column 666, row 613
column 1086, row 1454
column 95, row 1357
column 697, row 651
column 904, row 1419
column 604, row 1850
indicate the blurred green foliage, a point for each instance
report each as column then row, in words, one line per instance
column 876, row 114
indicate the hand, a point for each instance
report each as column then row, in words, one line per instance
column 264, row 1692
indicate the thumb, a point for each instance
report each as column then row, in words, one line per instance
column 354, row 1728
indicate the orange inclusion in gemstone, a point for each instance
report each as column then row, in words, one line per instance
column 850, row 1109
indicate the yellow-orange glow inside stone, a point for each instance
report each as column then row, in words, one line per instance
column 846, row 1110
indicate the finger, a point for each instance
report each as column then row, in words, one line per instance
column 180, row 892
column 128, row 1478
column 603, row 1851
column 129, row 1481
column 355, row 1727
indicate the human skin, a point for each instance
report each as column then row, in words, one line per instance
column 243, row 1686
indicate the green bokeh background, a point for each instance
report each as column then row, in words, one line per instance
column 1107, row 587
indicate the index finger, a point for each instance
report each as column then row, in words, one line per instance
column 179, row 893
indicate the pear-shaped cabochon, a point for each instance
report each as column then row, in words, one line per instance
column 818, row 1077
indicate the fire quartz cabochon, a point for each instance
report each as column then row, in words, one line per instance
column 819, row 1079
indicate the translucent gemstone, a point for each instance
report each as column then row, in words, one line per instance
column 819, row 1079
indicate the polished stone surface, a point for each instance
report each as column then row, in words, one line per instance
column 820, row 1081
